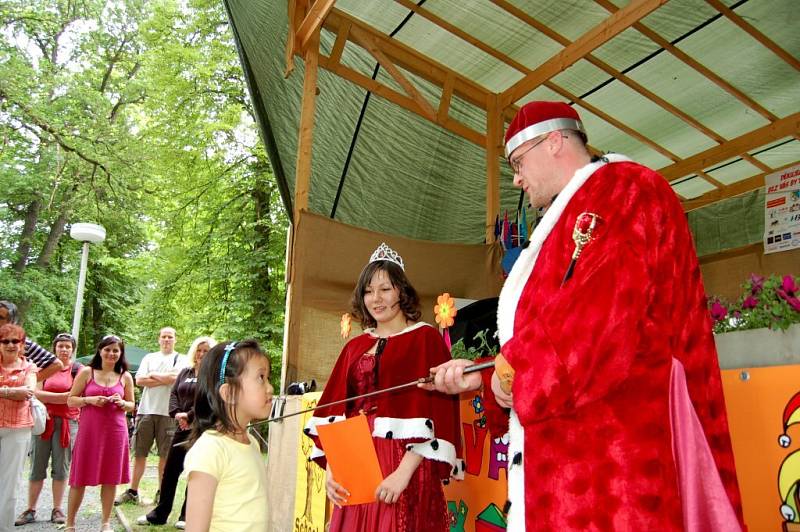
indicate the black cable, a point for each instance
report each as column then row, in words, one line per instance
column 360, row 120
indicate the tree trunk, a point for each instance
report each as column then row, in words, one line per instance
column 26, row 239
column 56, row 232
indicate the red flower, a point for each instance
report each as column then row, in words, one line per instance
column 718, row 311
column 750, row 302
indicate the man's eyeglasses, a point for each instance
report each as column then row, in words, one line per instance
column 517, row 161
column 12, row 341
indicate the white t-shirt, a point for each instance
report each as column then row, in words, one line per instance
column 155, row 399
column 240, row 502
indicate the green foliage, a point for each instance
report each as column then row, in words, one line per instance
column 133, row 115
column 765, row 302
column 485, row 347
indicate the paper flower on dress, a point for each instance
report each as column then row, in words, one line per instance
column 345, row 326
column 445, row 311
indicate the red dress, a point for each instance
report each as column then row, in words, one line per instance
column 591, row 438
column 425, row 421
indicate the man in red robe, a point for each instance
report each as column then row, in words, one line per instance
column 618, row 420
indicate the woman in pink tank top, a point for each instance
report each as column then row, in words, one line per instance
column 104, row 392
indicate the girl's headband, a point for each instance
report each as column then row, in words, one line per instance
column 228, row 349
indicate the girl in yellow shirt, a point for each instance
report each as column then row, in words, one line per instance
column 227, row 476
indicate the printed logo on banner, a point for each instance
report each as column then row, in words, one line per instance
column 782, row 210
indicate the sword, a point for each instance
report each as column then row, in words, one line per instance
column 421, row 380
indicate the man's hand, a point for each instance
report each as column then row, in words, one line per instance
column 449, row 377
column 503, row 399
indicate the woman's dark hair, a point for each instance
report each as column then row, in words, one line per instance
column 97, row 361
column 63, row 337
column 210, row 410
column 409, row 300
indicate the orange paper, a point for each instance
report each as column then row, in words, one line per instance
column 352, row 457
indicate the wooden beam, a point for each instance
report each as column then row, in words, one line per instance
column 758, row 247
column 444, row 101
column 313, row 21
column 758, row 137
column 399, row 99
column 688, row 60
column 368, row 43
column 730, row 191
column 754, row 33
column 341, row 40
column 494, row 147
column 290, row 37
column 413, row 61
column 611, row 120
column 636, row 86
column 597, row 36
column 306, row 131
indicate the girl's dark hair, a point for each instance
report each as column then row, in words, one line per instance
column 97, row 361
column 409, row 300
column 210, row 410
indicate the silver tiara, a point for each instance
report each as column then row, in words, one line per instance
column 384, row 252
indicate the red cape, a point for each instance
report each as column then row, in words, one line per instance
column 412, row 413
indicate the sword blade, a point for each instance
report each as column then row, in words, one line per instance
column 421, row 380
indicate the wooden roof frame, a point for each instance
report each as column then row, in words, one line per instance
column 308, row 17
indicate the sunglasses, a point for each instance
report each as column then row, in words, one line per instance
column 64, row 336
column 112, row 337
column 12, row 341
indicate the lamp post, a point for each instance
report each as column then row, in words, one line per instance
column 85, row 233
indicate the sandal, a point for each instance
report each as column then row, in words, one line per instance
column 57, row 516
column 28, row 516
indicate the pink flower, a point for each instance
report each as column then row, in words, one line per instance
column 737, row 314
column 756, row 283
column 789, row 285
column 718, row 311
column 794, row 303
column 750, row 302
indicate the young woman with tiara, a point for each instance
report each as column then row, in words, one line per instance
column 227, row 488
column 415, row 431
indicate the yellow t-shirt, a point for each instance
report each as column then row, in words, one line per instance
column 240, row 502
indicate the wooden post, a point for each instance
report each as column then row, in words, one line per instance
column 306, row 132
column 494, row 131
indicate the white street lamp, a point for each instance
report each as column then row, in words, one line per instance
column 85, row 233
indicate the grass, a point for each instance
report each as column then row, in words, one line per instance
column 147, row 490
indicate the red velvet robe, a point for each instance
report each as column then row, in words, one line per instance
column 427, row 423
column 593, row 359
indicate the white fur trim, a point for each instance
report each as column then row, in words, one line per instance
column 314, row 422
column 533, row 131
column 316, row 452
column 403, row 428
column 371, row 330
column 518, row 277
column 444, row 451
column 516, row 475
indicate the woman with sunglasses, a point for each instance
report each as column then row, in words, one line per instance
column 59, row 434
column 17, row 383
column 104, row 392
